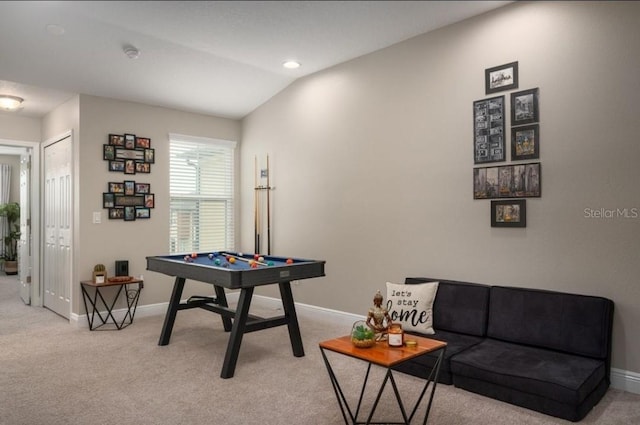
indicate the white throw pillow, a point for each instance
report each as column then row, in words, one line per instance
column 412, row 305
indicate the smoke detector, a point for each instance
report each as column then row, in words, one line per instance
column 132, row 52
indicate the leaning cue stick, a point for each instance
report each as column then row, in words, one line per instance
column 268, row 208
column 255, row 206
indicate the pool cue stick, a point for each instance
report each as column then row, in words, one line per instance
column 268, row 208
column 255, row 207
column 246, row 260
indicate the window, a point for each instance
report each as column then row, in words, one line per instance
column 202, row 194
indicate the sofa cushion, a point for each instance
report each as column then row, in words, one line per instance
column 421, row 366
column 562, row 377
column 459, row 306
column 412, row 305
column 571, row 323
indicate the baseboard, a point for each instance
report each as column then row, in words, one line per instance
column 625, row 380
column 620, row 379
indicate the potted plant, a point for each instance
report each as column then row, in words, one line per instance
column 11, row 211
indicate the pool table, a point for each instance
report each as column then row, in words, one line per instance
column 233, row 270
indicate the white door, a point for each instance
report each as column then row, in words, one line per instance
column 57, row 210
column 24, row 244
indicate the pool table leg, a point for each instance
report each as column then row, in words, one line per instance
column 237, row 331
column 290, row 314
column 221, row 298
column 170, row 317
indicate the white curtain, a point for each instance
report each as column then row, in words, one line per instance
column 5, row 189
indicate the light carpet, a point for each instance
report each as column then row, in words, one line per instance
column 53, row 373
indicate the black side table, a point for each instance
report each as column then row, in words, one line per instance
column 97, row 298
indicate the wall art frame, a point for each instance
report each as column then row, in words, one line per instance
column 524, row 107
column 525, row 142
column 488, row 130
column 128, row 200
column 500, row 78
column 128, row 154
column 509, row 213
column 508, row 181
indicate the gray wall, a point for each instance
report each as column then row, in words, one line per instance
column 372, row 162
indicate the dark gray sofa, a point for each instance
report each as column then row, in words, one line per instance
column 543, row 350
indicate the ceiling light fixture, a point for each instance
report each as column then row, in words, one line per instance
column 10, row 103
column 291, row 64
column 131, row 52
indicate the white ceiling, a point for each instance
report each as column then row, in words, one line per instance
column 220, row 58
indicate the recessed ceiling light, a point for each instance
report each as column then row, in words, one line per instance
column 10, row 103
column 291, row 64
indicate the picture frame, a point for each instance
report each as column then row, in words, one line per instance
column 524, row 107
column 116, row 165
column 108, row 200
column 509, row 213
column 149, row 156
column 129, row 187
column 488, row 130
column 128, row 154
column 142, row 188
column 129, row 166
column 108, row 152
column 143, row 213
column 129, row 213
column 116, row 213
column 525, row 142
column 500, row 78
column 116, row 139
column 129, row 141
column 116, row 187
column 508, row 181
column 99, row 277
column 149, row 201
column 143, row 143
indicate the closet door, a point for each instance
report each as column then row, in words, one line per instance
column 58, row 235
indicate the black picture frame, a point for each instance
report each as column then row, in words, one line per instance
column 149, row 200
column 129, row 141
column 524, row 107
column 129, row 187
column 143, row 188
column 509, row 213
column 116, row 213
column 116, row 187
column 488, row 130
column 143, row 213
column 129, row 213
column 150, row 156
column 525, row 142
column 108, row 152
column 500, row 78
column 143, row 143
column 116, row 139
column 116, row 166
column 508, row 181
column 129, row 166
column 108, row 200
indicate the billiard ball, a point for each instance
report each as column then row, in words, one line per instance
column 239, row 254
column 217, row 262
column 261, row 259
column 252, row 262
column 289, row 261
column 254, row 265
column 187, row 258
column 232, row 260
column 210, row 256
column 194, row 255
column 256, row 256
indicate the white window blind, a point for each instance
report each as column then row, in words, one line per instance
column 202, row 194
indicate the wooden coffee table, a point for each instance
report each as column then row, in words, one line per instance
column 387, row 357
